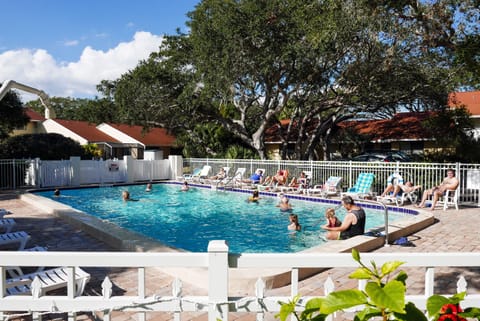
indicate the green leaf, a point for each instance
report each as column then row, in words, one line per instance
column 471, row 313
column 457, row 298
column 391, row 296
column 286, row 309
column 402, row 277
column 361, row 274
column 390, row 267
column 435, row 303
column 411, row 313
column 367, row 314
column 340, row 300
column 356, row 255
column 315, row 303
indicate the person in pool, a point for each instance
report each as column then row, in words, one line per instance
column 149, row 187
column 332, row 219
column 255, row 196
column 284, row 204
column 126, row 197
column 294, row 224
column 185, row 187
column 56, row 192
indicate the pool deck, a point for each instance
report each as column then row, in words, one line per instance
column 58, row 234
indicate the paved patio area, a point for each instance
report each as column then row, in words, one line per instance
column 454, row 231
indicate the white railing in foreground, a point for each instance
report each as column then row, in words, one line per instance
column 217, row 261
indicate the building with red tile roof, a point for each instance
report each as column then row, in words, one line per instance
column 403, row 132
column 34, row 126
column 154, row 139
column 471, row 101
column 115, row 140
column 86, row 133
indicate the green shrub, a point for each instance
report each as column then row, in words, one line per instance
column 43, row 146
column 383, row 298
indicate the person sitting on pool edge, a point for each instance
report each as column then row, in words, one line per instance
column 352, row 225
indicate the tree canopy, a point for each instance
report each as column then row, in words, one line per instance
column 44, row 146
column 246, row 64
column 11, row 114
column 95, row 111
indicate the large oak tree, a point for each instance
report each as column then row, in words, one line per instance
column 246, row 64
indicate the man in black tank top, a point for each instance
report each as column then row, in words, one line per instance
column 353, row 224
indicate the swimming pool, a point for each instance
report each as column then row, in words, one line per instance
column 189, row 220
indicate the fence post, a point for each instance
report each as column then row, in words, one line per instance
column 130, row 167
column 75, row 172
column 217, row 280
column 176, row 166
column 14, row 176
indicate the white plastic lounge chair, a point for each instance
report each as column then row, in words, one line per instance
column 50, row 280
column 234, row 180
column 203, row 173
column 7, row 224
column 449, row 198
column 16, row 237
column 189, row 177
column 330, row 188
column 411, row 196
column 301, row 187
column 4, row 212
column 393, row 180
column 16, row 271
column 238, row 176
column 275, row 186
column 221, row 180
column 253, row 184
column 362, row 186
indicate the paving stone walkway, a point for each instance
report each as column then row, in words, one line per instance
column 454, row 231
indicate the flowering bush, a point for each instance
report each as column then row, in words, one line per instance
column 383, row 297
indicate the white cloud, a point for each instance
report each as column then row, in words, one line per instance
column 37, row 68
column 71, row 43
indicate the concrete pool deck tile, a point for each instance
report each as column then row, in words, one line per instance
column 455, row 231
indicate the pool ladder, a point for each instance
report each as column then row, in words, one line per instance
column 385, row 208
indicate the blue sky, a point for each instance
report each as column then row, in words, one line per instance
column 67, row 47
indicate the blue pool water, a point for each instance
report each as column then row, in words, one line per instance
column 189, row 220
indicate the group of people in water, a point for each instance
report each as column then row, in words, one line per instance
column 353, row 223
column 126, row 194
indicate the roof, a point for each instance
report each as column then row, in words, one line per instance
column 33, row 115
column 153, row 137
column 86, row 130
column 403, row 126
column 469, row 99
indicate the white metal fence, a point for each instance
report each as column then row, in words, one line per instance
column 15, row 174
column 425, row 174
column 36, row 173
column 219, row 265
